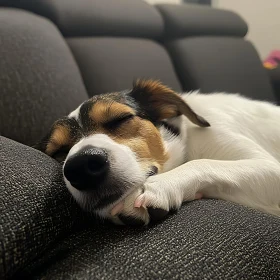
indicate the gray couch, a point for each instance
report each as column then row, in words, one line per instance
column 54, row 55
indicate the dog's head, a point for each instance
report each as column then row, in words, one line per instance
column 111, row 143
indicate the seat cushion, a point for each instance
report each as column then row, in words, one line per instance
column 206, row 239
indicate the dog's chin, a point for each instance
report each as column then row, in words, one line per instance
column 104, row 197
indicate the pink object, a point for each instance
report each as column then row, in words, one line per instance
column 273, row 59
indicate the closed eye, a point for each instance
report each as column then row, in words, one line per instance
column 116, row 122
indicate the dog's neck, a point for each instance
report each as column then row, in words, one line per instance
column 174, row 141
column 172, row 128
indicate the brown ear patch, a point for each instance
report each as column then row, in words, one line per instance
column 154, row 94
column 63, row 134
column 59, row 137
column 160, row 102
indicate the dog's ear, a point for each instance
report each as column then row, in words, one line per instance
column 42, row 144
column 157, row 102
column 59, row 138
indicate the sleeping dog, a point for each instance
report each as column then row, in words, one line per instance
column 133, row 156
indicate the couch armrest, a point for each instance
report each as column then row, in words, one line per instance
column 35, row 207
column 274, row 75
column 194, row 20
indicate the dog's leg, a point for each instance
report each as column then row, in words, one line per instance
column 247, row 175
column 251, row 182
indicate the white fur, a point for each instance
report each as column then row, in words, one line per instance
column 75, row 114
column 236, row 159
column 175, row 145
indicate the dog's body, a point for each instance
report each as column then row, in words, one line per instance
column 237, row 158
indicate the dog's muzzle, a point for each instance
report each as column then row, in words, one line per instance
column 87, row 168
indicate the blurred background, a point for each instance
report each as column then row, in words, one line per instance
column 262, row 17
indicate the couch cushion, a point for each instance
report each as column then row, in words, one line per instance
column 206, row 239
column 39, row 78
column 191, row 20
column 220, row 64
column 111, row 64
column 35, row 206
column 133, row 18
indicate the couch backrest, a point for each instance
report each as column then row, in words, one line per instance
column 110, row 43
column 120, row 45
column 39, row 79
column 210, row 53
column 114, row 42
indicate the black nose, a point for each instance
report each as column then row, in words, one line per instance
column 88, row 168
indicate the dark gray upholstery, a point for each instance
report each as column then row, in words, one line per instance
column 39, row 80
column 117, row 58
column 111, row 64
column 194, row 20
column 43, row 234
column 207, row 239
column 131, row 18
column 220, row 64
column 274, row 75
column 209, row 53
column 35, row 207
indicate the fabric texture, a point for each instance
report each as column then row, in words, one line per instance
column 111, row 64
column 35, row 206
column 98, row 17
column 39, row 79
column 227, row 64
column 196, row 20
column 206, row 239
column 44, row 235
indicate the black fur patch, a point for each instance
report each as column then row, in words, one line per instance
column 157, row 214
column 72, row 126
column 86, row 121
column 145, row 109
column 172, row 128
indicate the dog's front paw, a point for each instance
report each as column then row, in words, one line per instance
column 161, row 196
column 126, row 213
column 152, row 203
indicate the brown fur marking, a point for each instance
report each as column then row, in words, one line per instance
column 140, row 135
column 60, row 137
column 103, row 111
column 144, row 139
